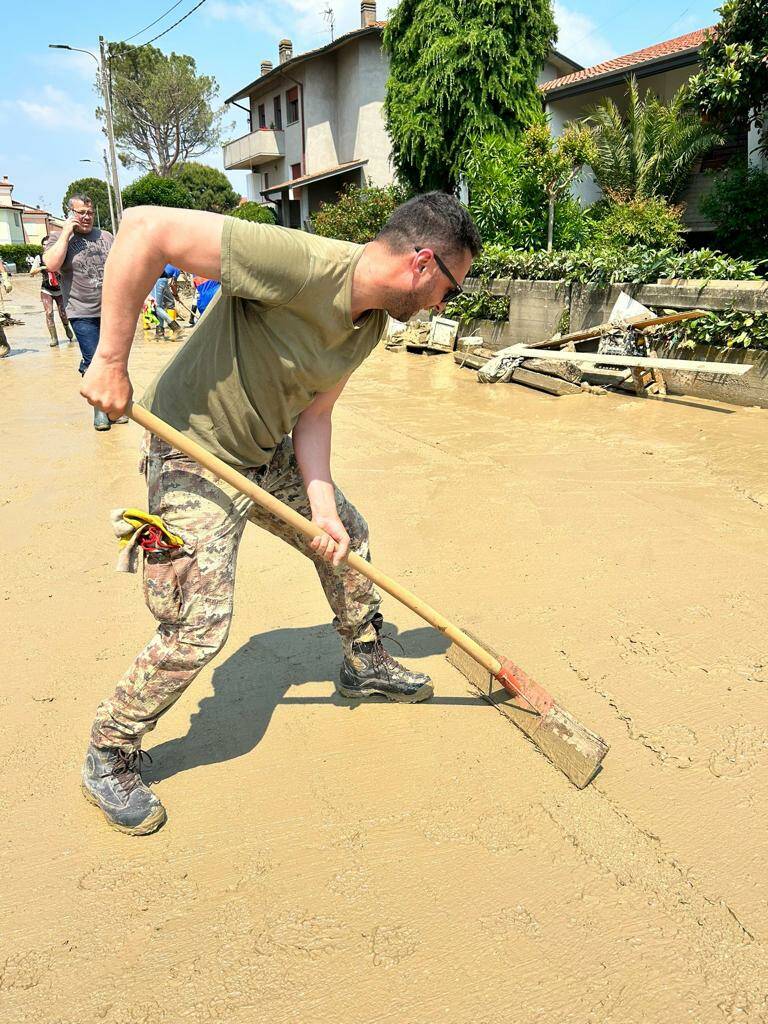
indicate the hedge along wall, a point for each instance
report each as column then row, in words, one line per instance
column 536, row 309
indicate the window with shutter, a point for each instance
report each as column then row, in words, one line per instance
column 292, row 105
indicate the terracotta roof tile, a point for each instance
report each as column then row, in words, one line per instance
column 690, row 41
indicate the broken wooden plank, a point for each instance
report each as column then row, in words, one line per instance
column 691, row 365
column 542, row 382
column 605, row 377
column 554, row 368
column 632, row 321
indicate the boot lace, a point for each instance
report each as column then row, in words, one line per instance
column 127, row 768
column 380, row 656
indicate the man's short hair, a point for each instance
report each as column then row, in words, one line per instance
column 83, row 197
column 436, row 220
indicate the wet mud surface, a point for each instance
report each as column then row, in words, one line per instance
column 331, row 862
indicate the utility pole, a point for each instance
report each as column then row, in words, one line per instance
column 109, row 191
column 105, row 89
column 104, row 82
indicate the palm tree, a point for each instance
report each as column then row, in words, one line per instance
column 650, row 149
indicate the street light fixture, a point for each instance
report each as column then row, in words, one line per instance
column 104, row 85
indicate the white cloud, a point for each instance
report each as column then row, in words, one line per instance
column 55, row 110
column 252, row 16
column 301, row 20
column 580, row 38
column 66, row 62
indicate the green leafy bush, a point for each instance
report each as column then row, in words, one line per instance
column 509, row 181
column 257, row 213
column 359, row 213
column 726, row 328
column 209, row 188
column 738, row 206
column 151, row 190
column 479, row 305
column 635, row 265
column 18, row 254
column 654, row 223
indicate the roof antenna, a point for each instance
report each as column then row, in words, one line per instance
column 329, row 18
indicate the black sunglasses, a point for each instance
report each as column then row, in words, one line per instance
column 452, row 293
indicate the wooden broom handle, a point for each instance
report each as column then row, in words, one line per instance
column 251, row 490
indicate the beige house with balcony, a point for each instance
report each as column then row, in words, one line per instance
column 21, row 224
column 660, row 69
column 317, row 122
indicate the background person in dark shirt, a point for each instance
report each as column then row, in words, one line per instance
column 50, row 293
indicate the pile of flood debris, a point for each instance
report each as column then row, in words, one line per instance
column 618, row 355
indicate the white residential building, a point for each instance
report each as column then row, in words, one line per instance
column 317, row 122
column 661, row 69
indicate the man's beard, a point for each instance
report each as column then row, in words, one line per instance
column 402, row 306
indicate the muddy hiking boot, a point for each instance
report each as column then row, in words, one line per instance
column 371, row 671
column 112, row 782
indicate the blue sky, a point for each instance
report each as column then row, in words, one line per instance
column 47, row 101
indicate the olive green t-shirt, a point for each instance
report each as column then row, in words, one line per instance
column 279, row 332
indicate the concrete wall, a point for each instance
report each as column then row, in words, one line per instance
column 320, row 114
column 592, row 304
column 536, row 308
column 371, row 139
column 750, row 390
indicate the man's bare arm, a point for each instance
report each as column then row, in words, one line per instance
column 56, row 254
column 312, row 445
column 149, row 237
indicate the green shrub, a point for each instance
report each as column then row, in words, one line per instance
column 635, row 265
column 480, row 305
column 359, row 213
column 508, row 197
column 654, row 223
column 257, row 213
column 738, row 206
column 726, row 328
column 209, row 188
column 152, row 190
column 18, row 254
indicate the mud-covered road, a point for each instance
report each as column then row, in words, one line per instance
column 329, row 862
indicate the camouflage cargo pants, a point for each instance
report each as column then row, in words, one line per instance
column 191, row 593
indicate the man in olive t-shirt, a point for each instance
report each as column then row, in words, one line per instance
column 255, row 384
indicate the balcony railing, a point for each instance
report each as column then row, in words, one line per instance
column 259, row 147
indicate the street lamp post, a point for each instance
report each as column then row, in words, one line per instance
column 104, row 85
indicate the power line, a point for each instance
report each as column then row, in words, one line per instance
column 192, row 11
column 153, row 22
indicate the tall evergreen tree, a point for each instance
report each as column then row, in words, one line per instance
column 458, row 72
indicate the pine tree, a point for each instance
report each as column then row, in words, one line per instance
column 458, row 72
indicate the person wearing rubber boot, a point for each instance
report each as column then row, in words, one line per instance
column 78, row 256
column 256, row 385
column 50, row 296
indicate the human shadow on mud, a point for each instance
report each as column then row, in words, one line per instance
column 253, row 681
